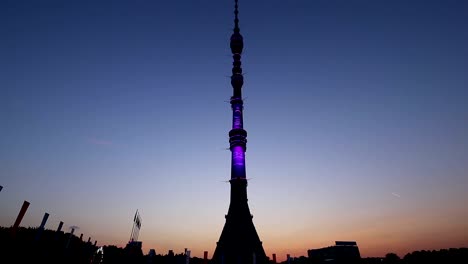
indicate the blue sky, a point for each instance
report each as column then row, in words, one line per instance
column 356, row 113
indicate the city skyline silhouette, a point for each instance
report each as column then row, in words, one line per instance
column 356, row 114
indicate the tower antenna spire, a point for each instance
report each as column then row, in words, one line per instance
column 236, row 19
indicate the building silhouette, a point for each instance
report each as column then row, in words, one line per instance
column 239, row 241
column 133, row 249
column 343, row 252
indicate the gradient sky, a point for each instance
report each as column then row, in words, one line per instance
column 356, row 111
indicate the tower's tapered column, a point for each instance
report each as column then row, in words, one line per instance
column 239, row 242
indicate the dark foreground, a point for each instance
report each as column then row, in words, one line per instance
column 30, row 245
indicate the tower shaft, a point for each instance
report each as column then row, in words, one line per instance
column 239, row 242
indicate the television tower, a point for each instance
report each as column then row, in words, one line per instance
column 239, row 242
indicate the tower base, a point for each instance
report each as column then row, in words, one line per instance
column 239, row 242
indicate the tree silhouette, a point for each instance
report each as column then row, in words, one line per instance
column 391, row 258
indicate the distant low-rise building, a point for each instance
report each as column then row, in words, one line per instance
column 342, row 252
